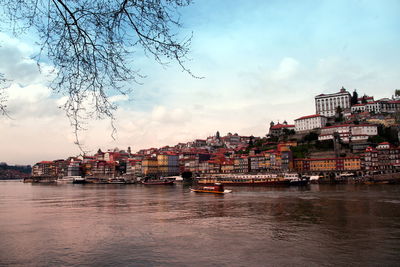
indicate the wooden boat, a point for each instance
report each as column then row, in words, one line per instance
column 217, row 188
column 158, row 182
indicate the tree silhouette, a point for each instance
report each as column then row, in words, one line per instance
column 354, row 98
column 3, row 95
column 91, row 45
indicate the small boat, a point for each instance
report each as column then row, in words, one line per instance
column 67, row 179
column 79, row 180
column 116, row 181
column 217, row 188
column 158, row 182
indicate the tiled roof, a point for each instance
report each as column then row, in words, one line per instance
column 309, row 117
column 281, row 126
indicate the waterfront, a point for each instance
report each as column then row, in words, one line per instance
column 135, row 225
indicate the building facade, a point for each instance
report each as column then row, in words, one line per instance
column 307, row 123
column 327, row 164
column 349, row 132
column 168, row 164
column 383, row 158
column 276, row 130
column 326, row 104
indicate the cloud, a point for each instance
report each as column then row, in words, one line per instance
column 288, row 67
column 16, row 65
column 119, row 98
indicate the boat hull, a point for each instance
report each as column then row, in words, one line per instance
column 158, row 182
column 210, row 191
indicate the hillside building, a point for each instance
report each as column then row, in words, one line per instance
column 307, row 123
column 326, row 104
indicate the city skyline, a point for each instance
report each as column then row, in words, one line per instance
column 259, row 65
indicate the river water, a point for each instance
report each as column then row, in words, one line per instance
column 137, row 225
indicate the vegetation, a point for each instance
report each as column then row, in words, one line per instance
column 14, row 172
column 301, row 151
column 339, row 114
column 324, row 145
column 354, row 98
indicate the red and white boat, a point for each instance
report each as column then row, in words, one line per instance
column 217, row 188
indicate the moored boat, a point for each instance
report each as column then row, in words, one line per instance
column 217, row 188
column 268, row 179
column 79, row 180
column 158, row 182
column 245, row 182
column 295, row 179
column 67, row 179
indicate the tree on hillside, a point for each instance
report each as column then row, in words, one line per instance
column 251, row 141
column 354, row 98
column 91, row 45
column 364, row 99
column 338, row 114
column 311, row 136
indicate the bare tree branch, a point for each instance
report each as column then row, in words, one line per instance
column 3, row 96
column 91, row 44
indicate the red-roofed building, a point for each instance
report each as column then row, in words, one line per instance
column 227, row 166
column 168, row 164
column 389, row 106
column 358, row 108
column 44, row 169
column 257, row 163
column 349, row 132
column 278, row 129
column 307, row 123
column 134, row 167
column 210, row 166
column 384, row 158
column 327, row 164
column 365, row 99
column 241, row 164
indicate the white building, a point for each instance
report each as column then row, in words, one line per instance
column 326, row 104
column 389, row 106
column 310, row 122
column 358, row 108
column 349, row 132
column 384, row 105
column 373, row 106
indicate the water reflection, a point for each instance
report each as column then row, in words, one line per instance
column 149, row 225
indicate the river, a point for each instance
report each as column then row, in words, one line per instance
column 137, row 225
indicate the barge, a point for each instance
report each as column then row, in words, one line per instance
column 253, row 180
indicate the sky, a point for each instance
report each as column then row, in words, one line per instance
column 262, row 61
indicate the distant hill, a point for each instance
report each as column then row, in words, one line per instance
column 8, row 172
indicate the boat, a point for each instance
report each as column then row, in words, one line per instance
column 158, row 182
column 294, row 179
column 67, row 179
column 177, row 178
column 313, row 178
column 217, row 188
column 116, row 181
column 245, row 181
column 268, row 179
column 79, row 180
